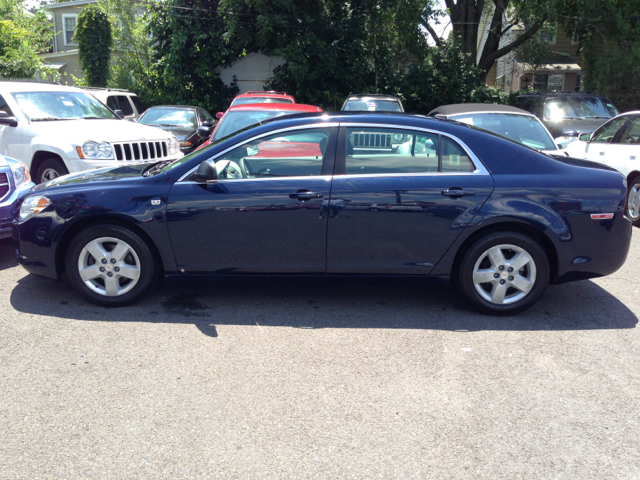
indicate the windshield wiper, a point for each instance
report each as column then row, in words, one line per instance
column 596, row 116
column 46, row 119
column 167, row 125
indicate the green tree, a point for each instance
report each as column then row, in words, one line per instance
column 130, row 55
column 23, row 35
column 190, row 45
column 93, row 35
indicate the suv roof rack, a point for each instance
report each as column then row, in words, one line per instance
column 107, row 89
column 271, row 92
column 549, row 92
column 26, row 80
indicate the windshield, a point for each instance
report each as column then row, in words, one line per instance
column 372, row 105
column 246, row 100
column 234, row 121
column 579, row 107
column 169, row 117
column 523, row 129
column 60, row 105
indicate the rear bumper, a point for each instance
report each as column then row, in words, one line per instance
column 602, row 249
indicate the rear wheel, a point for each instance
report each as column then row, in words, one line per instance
column 110, row 265
column 504, row 273
column 633, row 201
column 49, row 169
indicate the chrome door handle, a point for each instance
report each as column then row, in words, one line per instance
column 632, row 157
column 305, row 195
column 457, row 192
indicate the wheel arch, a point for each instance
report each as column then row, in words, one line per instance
column 39, row 157
column 631, row 176
column 527, row 229
column 78, row 226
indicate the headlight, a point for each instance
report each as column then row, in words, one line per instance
column 20, row 174
column 398, row 137
column 101, row 150
column 32, row 206
column 174, row 146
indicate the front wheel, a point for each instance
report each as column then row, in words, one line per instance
column 110, row 265
column 633, row 202
column 50, row 169
column 504, row 273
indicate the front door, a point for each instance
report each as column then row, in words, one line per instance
column 624, row 153
column 399, row 200
column 266, row 213
column 602, row 140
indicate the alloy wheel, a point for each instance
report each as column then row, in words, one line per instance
column 49, row 174
column 504, row 274
column 109, row 266
column 633, row 202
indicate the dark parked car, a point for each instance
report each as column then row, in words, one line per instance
column 416, row 196
column 372, row 103
column 182, row 121
column 15, row 182
column 567, row 115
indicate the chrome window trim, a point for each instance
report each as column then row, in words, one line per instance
column 480, row 168
column 235, row 180
column 273, row 132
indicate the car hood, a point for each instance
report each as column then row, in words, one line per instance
column 574, row 127
column 126, row 173
column 180, row 133
column 80, row 131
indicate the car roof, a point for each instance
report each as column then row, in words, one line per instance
column 264, row 94
column 37, row 87
column 296, row 107
column 458, row 108
column 379, row 96
column 560, row 94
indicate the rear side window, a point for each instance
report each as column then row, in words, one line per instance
column 138, row 104
column 391, row 151
column 125, row 106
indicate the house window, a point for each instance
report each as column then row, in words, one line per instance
column 69, row 28
column 540, row 81
column 578, row 81
column 549, row 36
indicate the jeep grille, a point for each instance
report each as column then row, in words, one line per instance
column 141, row 150
column 372, row 140
column 4, row 185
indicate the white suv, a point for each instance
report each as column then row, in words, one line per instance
column 124, row 100
column 56, row 130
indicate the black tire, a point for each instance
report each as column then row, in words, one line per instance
column 48, row 167
column 139, row 256
column 632, row 206
column 533, row 275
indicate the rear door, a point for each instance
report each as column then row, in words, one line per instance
column 400, row 198
column 266, row 211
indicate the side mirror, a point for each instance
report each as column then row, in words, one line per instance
column 205, row 173
column 219, row 115
column 6, row 119
column 204, row 131
column 585, row 137
column 119, row 113
column 561, row 145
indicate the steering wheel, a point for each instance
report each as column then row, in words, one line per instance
column 246, row 169
column 229, row 168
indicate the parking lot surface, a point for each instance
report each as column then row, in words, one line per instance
column 318, row 379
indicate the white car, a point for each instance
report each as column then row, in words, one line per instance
column 127, row 102
column 616, row 144
column 57, row 130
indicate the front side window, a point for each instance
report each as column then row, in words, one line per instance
column 4, row 107
column 69, row 24
column 206, row 117
column 523, row 129
column 112, row 103
column 125, row 106
column 294, row 154
column 60, row 105
column 632, row 134
column 607, row 132
column 138, row 104
column 391, row 151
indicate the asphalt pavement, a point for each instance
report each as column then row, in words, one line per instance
column 311, row 379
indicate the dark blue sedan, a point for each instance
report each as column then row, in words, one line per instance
column 335, row 194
